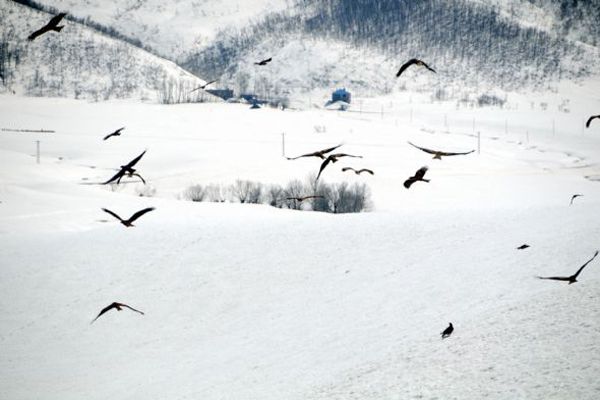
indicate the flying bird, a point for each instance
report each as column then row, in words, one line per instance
column 202, row 87
column 417, row 177
column 50, row 26
column 118, row 307
column 333, row 158
column 129, row 222
column 411, row 62
column 574, row 197
column 115, row 133
column 301, row 199
column 319, row 153
column 437, row 154
column 523, row 246
column 448, row 331
column 572, row 278
column 264, row 62
column 127, row 170
column 358, row 172
column 589, row 121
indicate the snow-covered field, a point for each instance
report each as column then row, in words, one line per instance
column 254, row 302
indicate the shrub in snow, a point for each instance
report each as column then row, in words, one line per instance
column 246, row 191
column 273, row 196
column 145, row 191
column 217, row 193
column 195, row 193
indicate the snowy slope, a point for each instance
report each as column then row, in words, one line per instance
column 254, row 302
column 81, row 63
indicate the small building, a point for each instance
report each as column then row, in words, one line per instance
column 341, row 95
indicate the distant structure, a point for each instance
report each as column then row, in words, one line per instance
column 341, row 95
column 225, row 94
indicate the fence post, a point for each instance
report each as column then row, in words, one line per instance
column 283, row 144
column 478, row 142
column 37, row 151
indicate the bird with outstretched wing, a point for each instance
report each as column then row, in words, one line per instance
column 52, row 25
column 116, row 306
column 129, row 222
column 333, row 158
column 115, row 133
column 319, row 153
column 589, row 121
column 413, row 61
column 573, row 278
column 359, row 171
column 127, row 170
column 418, row 176
column 438, row 154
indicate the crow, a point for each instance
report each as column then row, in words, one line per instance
column 448, row 331
column 127, row 170
column 115, row 133
column 523, row 246
column 358, row 172
column 572, row 278
column 301, row 199
column 50, row 26
column 574, row 197
column 333, row 158
column 118, row 306
column 129, row 222
column 264, row 62
column 411, row 62
column 319, row 153
column 589, row 121
column 437, row 154
column 202, row 86
column 417, row 177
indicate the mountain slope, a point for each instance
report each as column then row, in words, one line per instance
column 82, row 63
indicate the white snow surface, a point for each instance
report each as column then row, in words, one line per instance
column 254, row 302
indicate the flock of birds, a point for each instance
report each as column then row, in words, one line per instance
column 419, row 176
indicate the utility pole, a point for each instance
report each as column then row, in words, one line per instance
column 283, row 144
column 37, row 151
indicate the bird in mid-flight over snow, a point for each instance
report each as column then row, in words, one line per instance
column 115, row 133
column 202, row 87
column 118, row 307
column 574, row 197
column 333, row 158
column 572, row 278
column 523, row 246
column 448, row 331
column 318, row 153
column 129, row 222
column 127, row 170
column 438, row 154
column 359, row 171
column 52, row 25
column 589, row 121
column 411, row 62
column 418, row 176
column 264, row 62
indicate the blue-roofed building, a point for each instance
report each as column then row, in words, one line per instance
column 341, row 95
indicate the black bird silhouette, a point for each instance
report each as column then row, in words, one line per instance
column 589, row 121
column 264, row 62
column 574, row 197
column 127, row 170
column 333, row 158
column 129, row 222
column 50, row 26
column 358, row 172
column 118, row 307
column 572, row 278
column 438, row 154
column 417, row 177
column 523, row 246
column 319, row 153
column 411, row 62
column 115, row 133
column 301, row 199
column 203, row 86
column 448, row 331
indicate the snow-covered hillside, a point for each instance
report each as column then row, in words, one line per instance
column 81, row 63
column 248, row 301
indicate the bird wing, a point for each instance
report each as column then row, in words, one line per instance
column 206, row 84
column 423, row 149
column 406, row 65
column 443, row 153
column 267, row 60
column 139, row 176
column 589, row 121
column 135, row 160
column 366, row 170
column 56, row 20
column 427, row 66
column 409, row 182
column 420, row 173
column 348, row 169
column 112, row 213
column 39, row 32
column 198, row 88
column 131, row 308
column 556, row 278
column 318, row 153
column 140, row 213
column 574, row 197
column 110, row 135
column 338, row 155
column 116, row 176
column 329, row 150
column 585, row 265
column 105, row 309
column 323, row 165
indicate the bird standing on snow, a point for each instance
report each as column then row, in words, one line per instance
column 129, row 222
column 448, row 331
column 115, row 133
column 411, row 62
column 572, row 278
column 50, row 26
column 118, row 307
column 419, row 176
column 589, row 121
